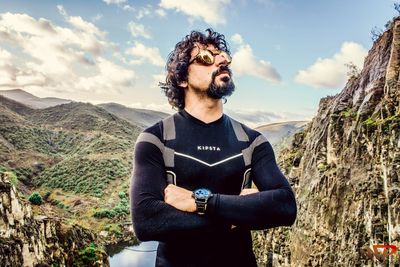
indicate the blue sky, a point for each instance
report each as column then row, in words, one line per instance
column 286, row 54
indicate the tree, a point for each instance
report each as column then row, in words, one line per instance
column 376, row 33
column 397, row 7
column 352, row 70
column 35, row 198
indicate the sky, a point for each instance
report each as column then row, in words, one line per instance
column 287, row 55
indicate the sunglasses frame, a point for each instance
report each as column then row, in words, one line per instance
column 205, row 51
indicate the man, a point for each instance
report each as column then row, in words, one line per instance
column 191, row 172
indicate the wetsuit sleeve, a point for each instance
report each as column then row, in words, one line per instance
column 152, row 218
column 273, row 206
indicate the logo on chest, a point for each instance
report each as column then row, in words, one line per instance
column 208, row 148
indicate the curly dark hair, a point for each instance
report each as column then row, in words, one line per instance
column 178, row 63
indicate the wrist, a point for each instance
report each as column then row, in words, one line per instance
column 201, row 197
column 192, row 205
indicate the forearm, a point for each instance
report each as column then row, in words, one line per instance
column 274, row 205
column 260, row 210
column 156, row 220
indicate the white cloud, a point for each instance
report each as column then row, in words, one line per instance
column 245, row 63
column 110, row 76
column 83, row 32
column 161, row 12
column 7, row 73
column 157, row 78
column 137, row 29
column 61, row 10
column 332, row 72
column 129, row 8
column 140, row 12
column 253, row 118
column 143, row 53
column 211, row 11
column 115, row 2
column 5, row 55
column 121, row 4
column 256, row 117
column 97, row 17
column 144, row 11
column 50, row 58
column 237, row 39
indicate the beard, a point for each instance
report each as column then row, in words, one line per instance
column 216, row 91
column 225, row 89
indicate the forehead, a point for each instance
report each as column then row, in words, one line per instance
column 204, row 46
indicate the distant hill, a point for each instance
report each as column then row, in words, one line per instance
column 31, row 100
column 83, row 117
column 280, row 134
column 143, row 117
column 15, row 106
column 138, row 117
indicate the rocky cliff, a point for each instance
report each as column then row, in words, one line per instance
column 345, row 169
column 27, row 240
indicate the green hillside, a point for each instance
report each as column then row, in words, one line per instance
column 70, row 152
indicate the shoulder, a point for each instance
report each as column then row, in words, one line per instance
column 150, row 135
column 158, row 132
column 247, row 133
column 155, row 129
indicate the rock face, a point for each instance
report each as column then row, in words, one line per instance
column 345, row 169
column 26, row 240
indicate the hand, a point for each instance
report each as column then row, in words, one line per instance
column 248, row 191
column 180, row 198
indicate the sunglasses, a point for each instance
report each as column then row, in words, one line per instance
column 207, row 57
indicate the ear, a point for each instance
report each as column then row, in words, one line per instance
column 183, row 84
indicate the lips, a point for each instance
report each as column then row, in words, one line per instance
column 223, row 70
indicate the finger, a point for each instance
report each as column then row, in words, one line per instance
column 248, row 191
column 168, row 188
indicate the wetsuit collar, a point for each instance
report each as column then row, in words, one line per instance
column 185, row 114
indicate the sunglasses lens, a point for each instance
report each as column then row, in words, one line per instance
column 206, row 57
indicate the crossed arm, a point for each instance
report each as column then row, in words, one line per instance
column 162, row 212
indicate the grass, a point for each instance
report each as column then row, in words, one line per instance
column 374, row 120
column 349, row 113
column 82, row 175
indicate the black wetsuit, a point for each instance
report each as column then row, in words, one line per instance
column 216, row 156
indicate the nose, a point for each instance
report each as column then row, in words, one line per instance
column 221, row 60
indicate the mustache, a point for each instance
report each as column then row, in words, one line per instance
column 221, row 69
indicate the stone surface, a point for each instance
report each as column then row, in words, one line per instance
column 27, row 240
column 345, row 170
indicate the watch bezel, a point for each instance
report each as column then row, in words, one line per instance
column 201, row 197
column 202, row 193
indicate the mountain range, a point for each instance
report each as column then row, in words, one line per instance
column 139, row 117
column 279, row 134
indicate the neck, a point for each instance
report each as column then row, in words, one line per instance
column 203, row 108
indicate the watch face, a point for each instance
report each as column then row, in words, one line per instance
column 202, row 193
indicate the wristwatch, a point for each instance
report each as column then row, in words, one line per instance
column 201, row 197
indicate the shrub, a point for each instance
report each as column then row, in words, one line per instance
column 106, row 213
column 35, row 198
column 12, row 177
column 89, row 255
column 122, row 195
